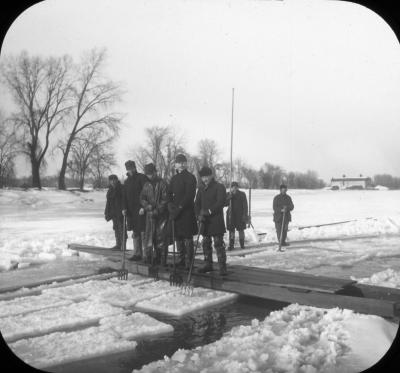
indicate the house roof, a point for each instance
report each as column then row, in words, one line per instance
column 351, row 179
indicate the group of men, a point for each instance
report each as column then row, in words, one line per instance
column 161, row 213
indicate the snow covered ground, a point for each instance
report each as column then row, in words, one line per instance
column 36, row 226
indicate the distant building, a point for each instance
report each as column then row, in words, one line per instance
column 350, row 182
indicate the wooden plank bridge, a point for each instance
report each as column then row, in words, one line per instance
column 284, row 286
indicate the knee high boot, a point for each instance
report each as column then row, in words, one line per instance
column 189, row 247
column 180, row 246
column 219, row 245
column 231, row 240
column 241, row 239
column 207, row 249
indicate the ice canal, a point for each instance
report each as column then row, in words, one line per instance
column 195, row 329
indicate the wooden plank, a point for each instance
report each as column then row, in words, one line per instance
column 290, row 287
column 95, row 250
column 303, row 279
column 255, row 274
column 384, row 308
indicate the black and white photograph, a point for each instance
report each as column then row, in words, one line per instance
column 200, row 186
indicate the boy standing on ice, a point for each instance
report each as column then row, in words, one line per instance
column 132, row 209
column 236, row 214
column 113, row 210
column 209, row 207
column 154, row 199
column 282, row 206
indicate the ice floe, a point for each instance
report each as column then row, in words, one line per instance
column 23, row 305
column 114, row 334
column 54, row 319
column 178, row 304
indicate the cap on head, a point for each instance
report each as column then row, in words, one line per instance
column 234, row 184
column 129, row 165
column 205, row 171
column 113, row 177
column 180, row 158
column 283, row 186
column 149, row 169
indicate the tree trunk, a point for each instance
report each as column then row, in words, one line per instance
column 61, row 177
column 81, row 182
column 35, row 174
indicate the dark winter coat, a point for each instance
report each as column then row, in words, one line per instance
column 133, row 185
column 113, row 208
column 182, row 191
column 279, row 202
column 239, row 213
column 154, row 199
column 212, row 198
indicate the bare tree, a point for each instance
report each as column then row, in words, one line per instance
column 92, row 97
column 161, row 146
column 8, row 150
column 208, row 152
column 102, row 160
column 40, row 90
column 85, row 151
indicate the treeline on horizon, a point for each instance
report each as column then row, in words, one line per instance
column 66, row 110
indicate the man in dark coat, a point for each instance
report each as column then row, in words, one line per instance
column 236, row 214
column 113, row 210
column 154, row 199
column 209, row 207
column 132, row 209
column 182, row 191
column 282, row 206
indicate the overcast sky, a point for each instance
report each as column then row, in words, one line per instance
column 317, row 83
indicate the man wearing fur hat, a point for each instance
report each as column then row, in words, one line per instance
column 134, row 212
column 236, row 214
column 209, row 207
column 182, row 191
column 154, row 199
column 113, row 210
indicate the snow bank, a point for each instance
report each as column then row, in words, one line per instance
column 295, row 339
column 178, row 304
column 388, row 278
column 54, row 319
column 38, row 225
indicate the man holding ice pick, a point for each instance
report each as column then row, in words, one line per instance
column 209, row 207
column 134, row 212
column 282, row 205
column 182, row 190
column 154, row 199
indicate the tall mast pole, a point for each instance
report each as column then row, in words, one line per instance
column 233, row 101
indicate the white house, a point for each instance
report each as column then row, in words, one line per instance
column 350, row 182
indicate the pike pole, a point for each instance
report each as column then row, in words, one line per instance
column 231, row 169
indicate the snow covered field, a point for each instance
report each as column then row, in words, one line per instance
column 36, row 226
